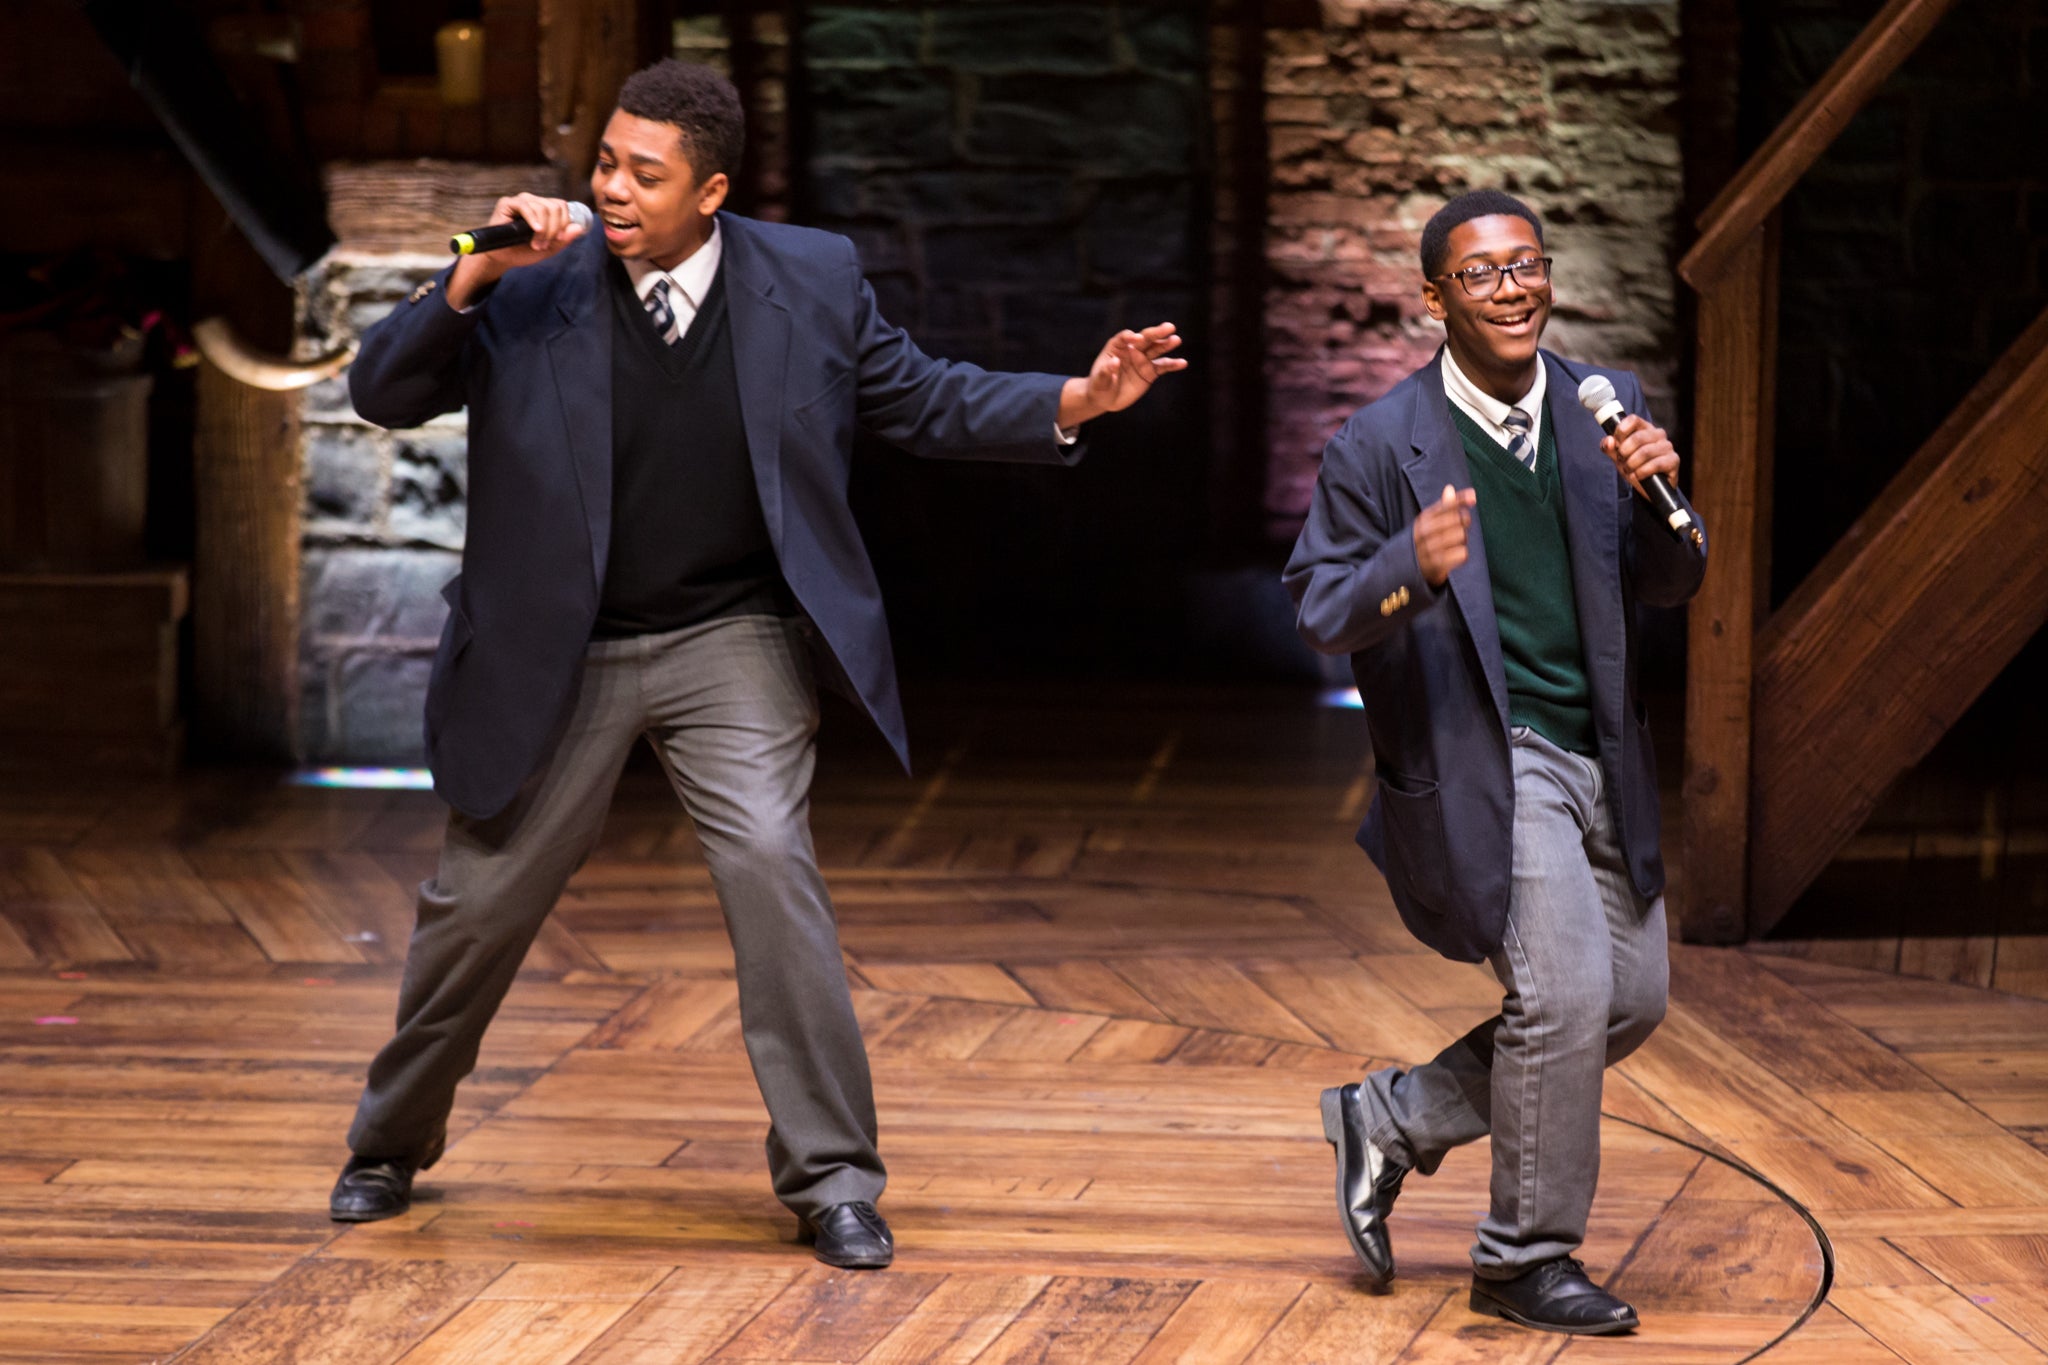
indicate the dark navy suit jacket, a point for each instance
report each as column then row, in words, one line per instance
column 1428, row 662
column 533, row 365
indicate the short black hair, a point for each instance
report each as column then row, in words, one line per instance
column 697, row 100
column 1436, row 234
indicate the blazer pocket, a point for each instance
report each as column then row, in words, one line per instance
column 455, row 637
column 1417, row 852
column 456, row 632
column 834, row 386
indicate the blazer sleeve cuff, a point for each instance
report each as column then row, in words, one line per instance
column 1424, row 594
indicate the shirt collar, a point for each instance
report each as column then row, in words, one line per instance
column 1490, row 411
column 692, row 276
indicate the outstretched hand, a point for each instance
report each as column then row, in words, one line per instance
column 1122, row 373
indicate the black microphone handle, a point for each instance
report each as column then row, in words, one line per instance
column 1663, row 497
column 496, row 237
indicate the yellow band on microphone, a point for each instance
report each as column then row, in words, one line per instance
column 462, row 243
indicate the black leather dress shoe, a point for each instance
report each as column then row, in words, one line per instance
column 371, row 1188
column 1367, row 1182
column 850, row 1236
column 1554, row 1297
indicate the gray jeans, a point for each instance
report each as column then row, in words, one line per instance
column 1585, row 967
column 731, row 708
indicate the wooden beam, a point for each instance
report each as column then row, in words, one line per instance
column 1237, row 302
column 587, row 49
column 1807, row 131
column 1731, row 479
column 245, row 495
column 245, row 580
column 1884, row 647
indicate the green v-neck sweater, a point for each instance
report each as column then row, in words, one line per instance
column 1529, row 564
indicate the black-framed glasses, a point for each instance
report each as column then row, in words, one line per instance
column 1483, row 281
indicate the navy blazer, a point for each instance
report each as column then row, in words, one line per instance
column 1428, row 661
column 533, row 364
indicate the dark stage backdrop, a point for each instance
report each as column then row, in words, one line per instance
column 1018, row 191
column 1914, row 253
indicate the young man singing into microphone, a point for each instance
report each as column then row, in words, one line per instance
column 1475, row 546
column 661, row 416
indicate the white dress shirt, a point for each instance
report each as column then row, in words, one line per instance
column 1488, row 411
column 689, row 283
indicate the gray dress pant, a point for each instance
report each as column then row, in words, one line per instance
column 1585, row 967
column 731, row 707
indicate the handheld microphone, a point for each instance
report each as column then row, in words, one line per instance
column 1596, row 393
column 498, row 236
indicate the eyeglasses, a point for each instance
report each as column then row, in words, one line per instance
column 1483, row 281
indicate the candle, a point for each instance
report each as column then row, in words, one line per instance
column 459, row 52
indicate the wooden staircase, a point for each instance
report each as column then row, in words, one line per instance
column 1798, row 720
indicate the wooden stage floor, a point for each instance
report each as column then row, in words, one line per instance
column 1106, row 950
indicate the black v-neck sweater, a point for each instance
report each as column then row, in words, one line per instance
column 688, row 540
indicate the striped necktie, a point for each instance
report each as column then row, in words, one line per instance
column 1520, row 446
column 663, row 313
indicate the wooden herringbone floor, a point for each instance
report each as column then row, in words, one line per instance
column 1106, row 952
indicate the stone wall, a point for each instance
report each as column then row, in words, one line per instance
column 382, row 531
column 1379, row 110
column 1021, row 180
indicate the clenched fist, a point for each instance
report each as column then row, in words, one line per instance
column 1639, row 450
column 1440, row 534
column 552, row 227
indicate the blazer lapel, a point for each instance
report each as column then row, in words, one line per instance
column 1437, row 458
column 1595, row 519
column 580, row 352
column 760, row 351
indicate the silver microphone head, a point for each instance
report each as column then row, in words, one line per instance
column 1596, row 391
column 580, row 214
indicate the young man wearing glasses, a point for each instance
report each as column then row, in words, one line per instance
column 1475, row 546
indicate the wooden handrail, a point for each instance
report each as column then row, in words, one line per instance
column 1807, row 131
column 1888, row 642
column 220, row 343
